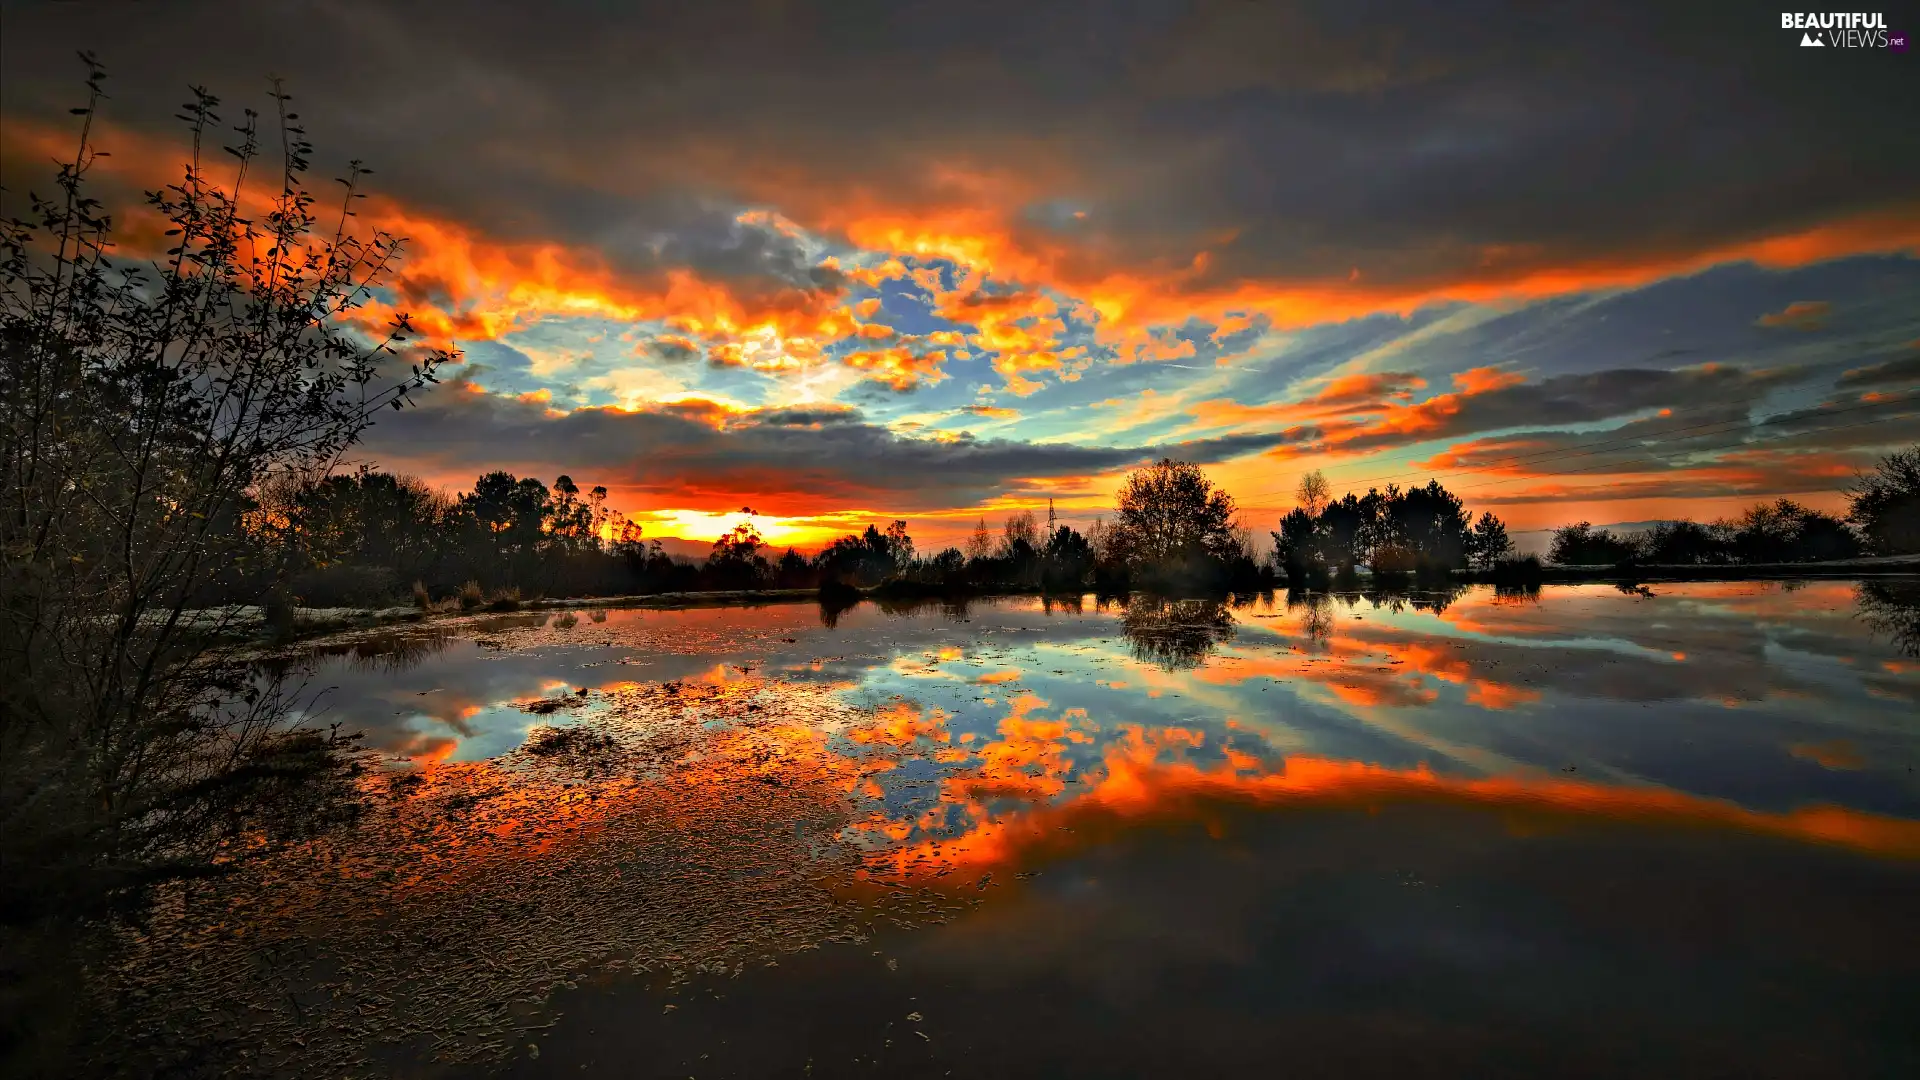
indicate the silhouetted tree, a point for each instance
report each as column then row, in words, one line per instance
column 508, row 517
column 1313, row 493
column 948, row 566
column 793, row 571
column 1489, row 542
column 1345, row 531
column 1584, row 545
column 867, row 559
column 736, row 562
column 980, row 544
column 1069, row 560
column 1424, row 529
column 1297, row 550
column 1885, row 504
column 1019, row 537
column 1684, row 543
column 1420, row 529
column 1175, row 527
column 899, row 546
column 1785, row 531
column 570, row 518
column 147, row 402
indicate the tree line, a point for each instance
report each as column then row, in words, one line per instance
column 1424, row 531
column 1883, row 518
column 371, row 537
column 1427, row 532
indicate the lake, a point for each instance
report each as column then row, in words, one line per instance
column 1592, row 831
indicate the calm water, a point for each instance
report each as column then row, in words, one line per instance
column 1593, row 833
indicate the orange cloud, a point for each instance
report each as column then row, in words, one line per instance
column 991, row 412
column 457, row 282
column 464, row 284
column 1346, row 396
column 898, row 367
column 976, row 218
column 1022, row 328
column 1799, row 315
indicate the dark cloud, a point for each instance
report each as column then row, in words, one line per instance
column 1900, row 372
column 673, row 350
column 791, row 461
column 1416, row 142
column 1564, row 400
column 1648, row 444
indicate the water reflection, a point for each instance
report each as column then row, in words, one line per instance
column 1891, row 606
column 632, row 780
column 1175, row 635
column 1472, row 679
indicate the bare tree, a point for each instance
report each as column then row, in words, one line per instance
column 1019, row 529
column 1313, row 493
column 147, row 402
column 980, row 544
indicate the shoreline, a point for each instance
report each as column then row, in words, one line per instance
column 1552, row 574
column 310, row 623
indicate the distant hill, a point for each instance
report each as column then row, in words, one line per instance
column 692, row 550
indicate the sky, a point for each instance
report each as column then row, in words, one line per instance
column 847, row 262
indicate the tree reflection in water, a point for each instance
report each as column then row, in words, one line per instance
column 1426, row 596
column 1316, row 614
column 1891, row 606
column 832, row 607
column 1316, row 608
column 388, row 653
column 1175, row 635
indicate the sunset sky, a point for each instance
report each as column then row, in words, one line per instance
column 848, row 262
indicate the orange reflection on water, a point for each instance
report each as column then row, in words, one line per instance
column 1833, row 754
column 901, row 724
column 1367, row 672
column 1135, row 787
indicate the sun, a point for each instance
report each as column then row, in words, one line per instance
column 706, row 526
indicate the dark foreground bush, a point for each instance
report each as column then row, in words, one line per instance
column 834, row 591
column 1523, row 570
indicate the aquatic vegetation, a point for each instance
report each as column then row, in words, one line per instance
column 651, row 842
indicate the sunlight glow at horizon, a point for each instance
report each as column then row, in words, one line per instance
column 701, row 526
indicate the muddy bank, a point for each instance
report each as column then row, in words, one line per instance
column 694, row 832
